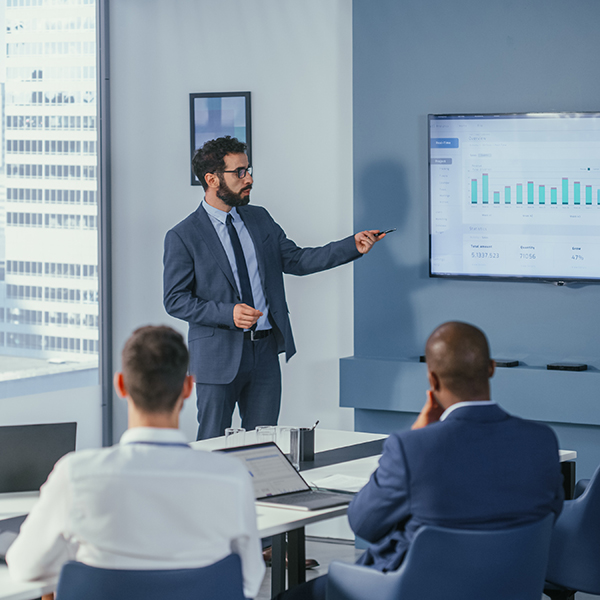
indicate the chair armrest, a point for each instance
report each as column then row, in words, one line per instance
column 580, row 487
column 355, row 582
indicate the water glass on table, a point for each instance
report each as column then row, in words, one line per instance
column 288, row 440
column 266, row 433
column 235, row 436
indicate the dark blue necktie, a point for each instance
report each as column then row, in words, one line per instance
column 240, row 261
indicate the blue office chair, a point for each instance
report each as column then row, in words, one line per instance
column 575, row 546
column 455, row 564
column 220, row 581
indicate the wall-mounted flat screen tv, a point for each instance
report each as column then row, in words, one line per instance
column 515, row 196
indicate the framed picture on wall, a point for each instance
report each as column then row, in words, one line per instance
column 216, row 114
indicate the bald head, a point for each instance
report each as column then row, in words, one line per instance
column 458, row 355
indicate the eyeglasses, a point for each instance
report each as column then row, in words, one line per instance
column 241, row 172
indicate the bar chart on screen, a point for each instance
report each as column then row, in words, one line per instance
column 515, row 195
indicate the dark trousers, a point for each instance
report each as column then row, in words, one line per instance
column 256, row 389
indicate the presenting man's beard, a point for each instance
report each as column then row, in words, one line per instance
column 231, row 198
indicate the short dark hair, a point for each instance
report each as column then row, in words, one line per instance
column 155, row 362
column 210, row 158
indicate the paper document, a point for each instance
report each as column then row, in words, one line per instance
column 343, row 483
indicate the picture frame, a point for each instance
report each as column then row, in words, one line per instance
column 216, row 114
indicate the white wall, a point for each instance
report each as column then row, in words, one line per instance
column 295, row 58
column 58, row 406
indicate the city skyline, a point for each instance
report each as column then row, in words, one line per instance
column 48, row 181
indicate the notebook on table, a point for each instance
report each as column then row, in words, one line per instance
column 277, row 483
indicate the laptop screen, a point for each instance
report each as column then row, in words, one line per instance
column 9, row 530
column 272, row 473
column 28, row 453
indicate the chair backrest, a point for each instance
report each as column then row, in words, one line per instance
column 456, row 564
column 575, row 545
column 219, row 581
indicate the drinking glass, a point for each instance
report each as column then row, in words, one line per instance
column 288, row 440
column 266, row 433
column 235, row 436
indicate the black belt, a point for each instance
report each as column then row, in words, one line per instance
column 257, row 335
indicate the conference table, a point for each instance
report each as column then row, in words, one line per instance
column 12, row 505
column 344, row 458
column 351, row 454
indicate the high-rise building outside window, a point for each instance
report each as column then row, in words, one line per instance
column 48, row 187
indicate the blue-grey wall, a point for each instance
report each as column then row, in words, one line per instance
column 414, row 57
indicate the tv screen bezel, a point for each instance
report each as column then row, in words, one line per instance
column 508, row 278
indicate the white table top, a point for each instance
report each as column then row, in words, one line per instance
column 12, row 590
column 19, row 503
column 567, row 455
column 274, row 520
column 325, row 439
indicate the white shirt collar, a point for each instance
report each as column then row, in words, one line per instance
column 158, row 435
column 463, row 404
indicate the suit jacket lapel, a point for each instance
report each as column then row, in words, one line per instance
column 209, row 235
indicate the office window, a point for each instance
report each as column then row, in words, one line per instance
column 19, row 316
column 24, row 194
column 48, row 185
column 23, row 171
column 64, row 196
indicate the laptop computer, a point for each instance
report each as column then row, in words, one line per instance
column 276, row 481
column 9, row 530
column 28, row 453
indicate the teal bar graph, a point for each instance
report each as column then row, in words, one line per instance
column 488, row 196
column 484, row 188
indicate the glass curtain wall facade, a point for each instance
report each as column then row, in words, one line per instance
column 48, row 187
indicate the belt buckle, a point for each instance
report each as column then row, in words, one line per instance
column 252, row 338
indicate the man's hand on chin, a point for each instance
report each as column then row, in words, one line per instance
column 430, row 413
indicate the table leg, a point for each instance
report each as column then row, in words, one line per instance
column 296, row 557
column 278, row 564
column 567, row 468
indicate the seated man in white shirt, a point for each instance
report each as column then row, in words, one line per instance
column 149, row 502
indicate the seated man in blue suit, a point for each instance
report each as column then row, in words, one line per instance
column 466, row 463
column 223, row 274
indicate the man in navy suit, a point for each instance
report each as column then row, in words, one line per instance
column 223, row 274
column 466, row 463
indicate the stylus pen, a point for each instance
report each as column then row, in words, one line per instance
column 382, row 232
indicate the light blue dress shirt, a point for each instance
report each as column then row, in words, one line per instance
column 218, row 218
